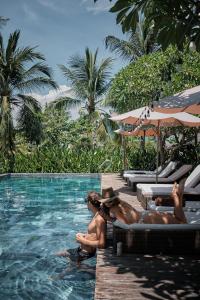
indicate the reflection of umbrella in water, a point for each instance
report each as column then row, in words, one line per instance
column 144, row 116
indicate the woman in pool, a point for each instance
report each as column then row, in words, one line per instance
column 121, row 211
column 94, row 238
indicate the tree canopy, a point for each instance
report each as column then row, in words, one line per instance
column 153, row 76
column 173, row 20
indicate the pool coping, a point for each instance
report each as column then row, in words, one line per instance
column 51, row 174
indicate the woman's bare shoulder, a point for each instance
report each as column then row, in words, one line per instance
column 99, row 219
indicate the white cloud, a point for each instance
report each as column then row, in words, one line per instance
column 29, row 13
column 98, row 7
column 52, row 5
column 63, row 91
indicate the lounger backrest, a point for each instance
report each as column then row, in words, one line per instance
column 168, row 169
column 197, row 188
column 194, row 178
column 178, row 174
column 160, row 168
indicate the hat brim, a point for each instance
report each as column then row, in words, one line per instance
column 107, row 200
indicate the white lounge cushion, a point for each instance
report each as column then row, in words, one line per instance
column 149, row 190
column 126, row 175
column 182, row 171
column 193, row 178
column 164, row 173
column 130, row 172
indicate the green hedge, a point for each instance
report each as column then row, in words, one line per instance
column 101, row 159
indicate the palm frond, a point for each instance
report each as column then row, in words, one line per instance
column 12, row 44
column 64, row 103
column 122, row 48
column 36, row 83
column 28, row 54
column 30, row 102
column 36, row 70
column 88, row 79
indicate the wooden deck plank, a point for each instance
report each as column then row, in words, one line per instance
column 138, row 276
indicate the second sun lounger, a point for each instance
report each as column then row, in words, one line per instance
column 175, row 176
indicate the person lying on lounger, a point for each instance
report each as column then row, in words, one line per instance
column 115, row 208
column 94, row 238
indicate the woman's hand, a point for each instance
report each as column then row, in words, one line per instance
column 79, row 237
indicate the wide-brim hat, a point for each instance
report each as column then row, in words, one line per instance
column 112, row 195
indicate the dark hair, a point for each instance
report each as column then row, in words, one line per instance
column 94, row 197
column 105, row 213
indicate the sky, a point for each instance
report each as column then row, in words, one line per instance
column 60, row 29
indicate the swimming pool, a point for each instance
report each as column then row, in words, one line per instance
column 38, row 217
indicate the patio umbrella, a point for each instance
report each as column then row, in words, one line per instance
column 186, row 101
column 144, row 116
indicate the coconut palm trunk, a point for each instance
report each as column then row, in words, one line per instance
column 7, row 145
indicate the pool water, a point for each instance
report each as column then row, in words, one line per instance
column 40, row 216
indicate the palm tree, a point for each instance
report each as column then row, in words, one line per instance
column 89, row 80
column 174, row 21
column 18, row 76
column 140, row 42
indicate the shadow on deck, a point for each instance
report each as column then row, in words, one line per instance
column 137, row 276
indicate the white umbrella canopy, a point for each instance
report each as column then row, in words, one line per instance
column 145, row 116
column 187, row 101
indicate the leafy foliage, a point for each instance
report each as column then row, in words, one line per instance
column 173, row 20
column 152, row 76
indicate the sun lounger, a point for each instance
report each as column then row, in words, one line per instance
column 191, row 189
column 126, row 173
column 175, row 176
column 164, row 173
column 157, row 238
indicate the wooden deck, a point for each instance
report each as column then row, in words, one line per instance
column 137, row 276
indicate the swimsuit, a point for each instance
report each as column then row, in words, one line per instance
column 79, row 254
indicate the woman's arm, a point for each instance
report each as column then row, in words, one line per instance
column 100, row 236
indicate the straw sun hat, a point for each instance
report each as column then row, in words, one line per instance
column 108, row 195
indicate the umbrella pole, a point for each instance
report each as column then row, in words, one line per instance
column 124, row 152
column 157, row 160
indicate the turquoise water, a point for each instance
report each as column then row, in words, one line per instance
column 38, row 217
